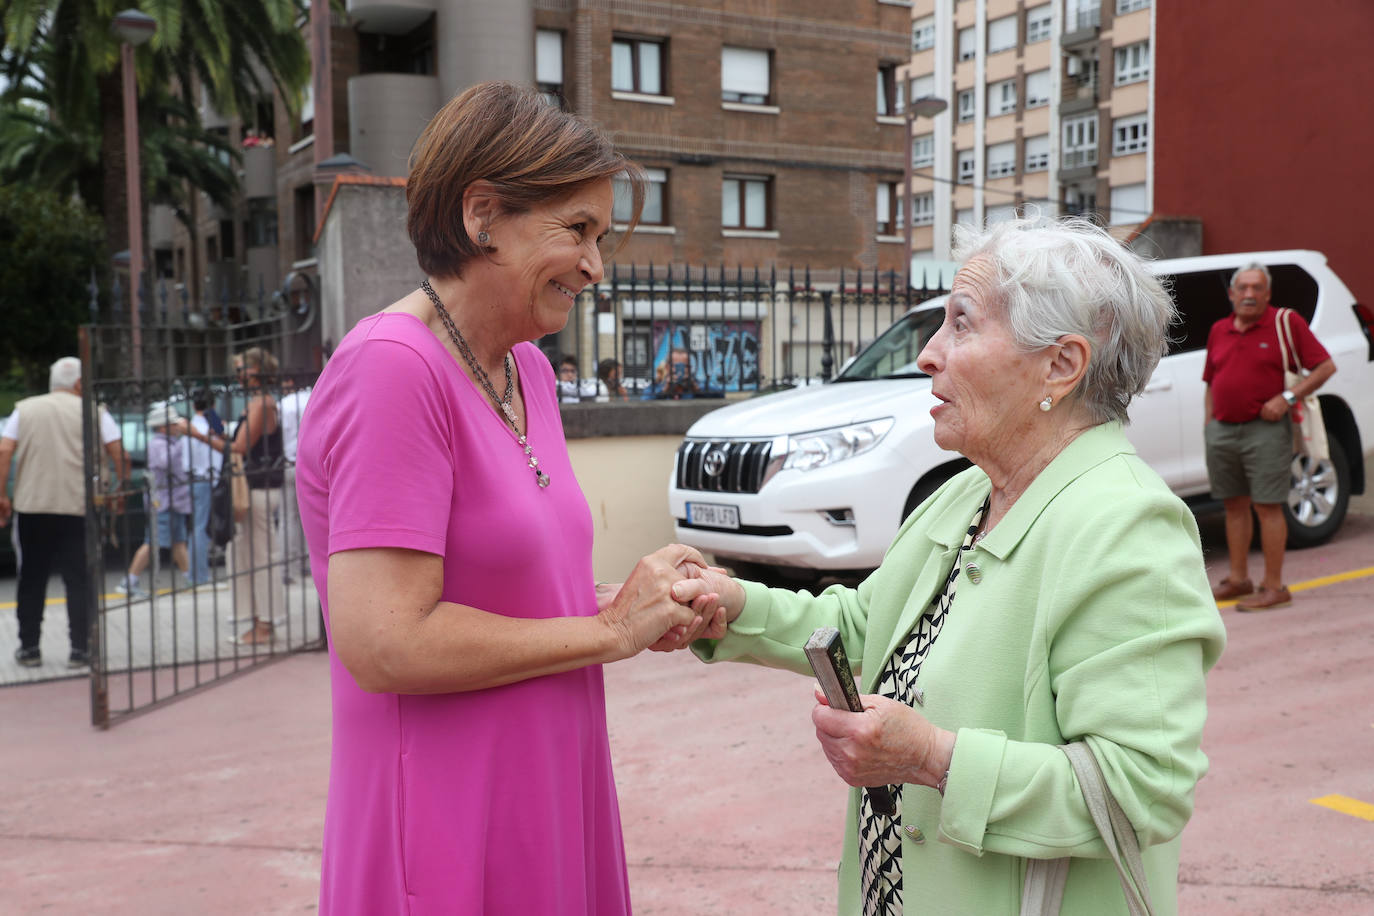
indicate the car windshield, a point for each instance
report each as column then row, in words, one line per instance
column 893, row 354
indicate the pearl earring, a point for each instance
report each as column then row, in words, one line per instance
column 483, row 238
column 1046, row 404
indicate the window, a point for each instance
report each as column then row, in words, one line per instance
column 922, row 151
column 1128, row 204
column 1081, row 201
column 305, row 221
column 1133, row 63
column 655, row 212
column 226, row 235
column 922, row 86
column 1002, row 34
column 1001, row 213
column 922, row 209
column 261, row 224
column 637, row 65
column 923, row 33
column 1038, row 24
column 548, row 64
column 966, row 166
column 968, row 43
column 889, row 208
column 745, row 76
column 1130, row 6
column 744, row 202
column 1130, row 135
column 964, row 217
column 1038, row 153
column 1037, row 88
column 1080, row 141
column 966, row 104
column 1001, row 98
column 891, row 97
column 1001, row 158
column 1082, row 14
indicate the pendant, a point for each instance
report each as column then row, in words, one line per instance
column 509, row 410
column 541, row 477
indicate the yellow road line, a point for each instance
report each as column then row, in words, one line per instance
column 109, row 598
column 1346, row 805
column 1318, row 582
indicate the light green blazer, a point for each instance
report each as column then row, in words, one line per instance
column 1092, row 619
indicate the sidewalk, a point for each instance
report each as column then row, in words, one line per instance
column 215, row 803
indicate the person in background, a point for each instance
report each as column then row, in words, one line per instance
column 257, row 437
column 1052, row 593
column 608, row 373
column 291, row 407
column 43, row 440
column 205, row 469
column 568, row 389
column 673, row 379
column 1249, row 432
column 451, row 544
column 170, row 503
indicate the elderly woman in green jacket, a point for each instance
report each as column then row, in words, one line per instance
column 1054, row 592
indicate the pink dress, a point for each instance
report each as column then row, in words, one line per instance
column 498, row 801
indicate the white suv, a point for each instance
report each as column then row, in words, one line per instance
column 819, row 479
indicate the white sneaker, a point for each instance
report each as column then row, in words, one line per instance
column 129, row 586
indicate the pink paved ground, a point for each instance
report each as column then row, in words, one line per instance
column 215, row 803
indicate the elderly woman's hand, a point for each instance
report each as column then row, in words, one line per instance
column 643, row 611
column 889, row 743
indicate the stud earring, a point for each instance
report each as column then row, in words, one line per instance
column 1046, row 404
column 484, row 238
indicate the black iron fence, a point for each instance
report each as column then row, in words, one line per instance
column 172, row 611
column 714, row 332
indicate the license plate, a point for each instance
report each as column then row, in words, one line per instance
column 713, row 515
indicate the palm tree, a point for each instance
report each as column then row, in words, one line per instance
column 237, row 52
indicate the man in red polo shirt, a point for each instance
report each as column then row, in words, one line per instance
column 1249, row 432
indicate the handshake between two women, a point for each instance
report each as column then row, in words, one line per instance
column 672, row 597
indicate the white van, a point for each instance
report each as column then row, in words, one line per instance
column 818, row 479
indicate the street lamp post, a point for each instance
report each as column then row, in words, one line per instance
column 133, row 28
column 927, row 106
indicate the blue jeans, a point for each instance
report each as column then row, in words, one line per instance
column 200, row 538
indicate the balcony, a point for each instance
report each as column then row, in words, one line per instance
column 386, row 112
column 389, row 17
column 259, row 172
column 1081, row 27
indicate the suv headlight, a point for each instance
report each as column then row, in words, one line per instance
column 809, row 451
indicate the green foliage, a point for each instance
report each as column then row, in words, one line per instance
column 51, row 245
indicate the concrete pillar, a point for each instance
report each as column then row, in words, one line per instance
column 479, row 40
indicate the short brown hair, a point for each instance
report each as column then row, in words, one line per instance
column 511, row 137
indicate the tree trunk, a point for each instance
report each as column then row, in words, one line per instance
column 114, row 198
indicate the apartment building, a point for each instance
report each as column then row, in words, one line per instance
column 758, row 125
column 1050, row 107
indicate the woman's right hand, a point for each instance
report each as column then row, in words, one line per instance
column 645, row 609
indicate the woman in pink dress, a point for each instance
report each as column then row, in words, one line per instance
column 451, row 544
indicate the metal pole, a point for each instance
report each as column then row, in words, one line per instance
column 135, row 201
column 909, row 121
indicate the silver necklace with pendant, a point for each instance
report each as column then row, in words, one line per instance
column 506, row 402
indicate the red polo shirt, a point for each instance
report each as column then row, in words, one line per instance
column 1244, row 368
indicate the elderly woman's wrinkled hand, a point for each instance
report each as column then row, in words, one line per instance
column 889, row 743
column 714, row 596
column 642, row 611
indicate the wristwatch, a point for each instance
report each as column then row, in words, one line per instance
column 1291, row 398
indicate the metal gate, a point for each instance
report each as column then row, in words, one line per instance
column 166, row 634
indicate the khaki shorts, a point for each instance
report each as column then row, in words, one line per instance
column 1250, row 459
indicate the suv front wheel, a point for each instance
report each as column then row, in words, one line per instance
column 1318, row 498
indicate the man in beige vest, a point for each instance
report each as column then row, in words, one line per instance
column 43, row 439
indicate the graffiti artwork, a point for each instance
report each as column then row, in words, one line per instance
column 724, row 355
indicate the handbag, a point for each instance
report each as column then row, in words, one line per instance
column 238, row 484
column 220, row 523
column 1309, row 428
column 1043, row 891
